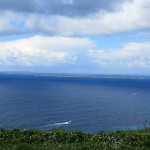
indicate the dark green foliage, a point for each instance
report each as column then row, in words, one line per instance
column 26, row 147
column 74, row 140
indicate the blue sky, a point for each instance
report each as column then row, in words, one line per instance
column 74, row 36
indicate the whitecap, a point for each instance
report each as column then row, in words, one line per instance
column 57, row 124
column 135, row 93
column 62, row 123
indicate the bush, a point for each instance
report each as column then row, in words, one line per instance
column 73, row 140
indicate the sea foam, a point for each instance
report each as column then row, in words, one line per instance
column 57, row 124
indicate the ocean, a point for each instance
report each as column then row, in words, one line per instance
column 88, row 104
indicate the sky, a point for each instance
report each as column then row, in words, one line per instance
column 75, row 36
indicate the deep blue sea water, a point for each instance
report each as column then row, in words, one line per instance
column 91, row 104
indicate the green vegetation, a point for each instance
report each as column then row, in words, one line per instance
column 74, row 140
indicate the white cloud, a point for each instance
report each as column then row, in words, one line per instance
column 5, row 24
column 132, row 55
column 132, row 15
column 68, row 2
column 42, row 51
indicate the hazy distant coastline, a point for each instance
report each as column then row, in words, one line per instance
column 69, row 75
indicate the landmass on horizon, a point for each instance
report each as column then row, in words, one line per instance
column 75, row 75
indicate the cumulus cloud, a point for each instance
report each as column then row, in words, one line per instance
column 17, row 5
column 60, row 22
column 132, row 15
column 42, row 51
column 60, row 7
column 132, row 55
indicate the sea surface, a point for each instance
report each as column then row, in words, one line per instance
column 88, row 104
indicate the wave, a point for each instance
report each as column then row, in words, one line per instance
column 58, row 124
column 135, row 93
column 62, row 123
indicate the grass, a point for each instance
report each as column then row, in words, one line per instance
column 74, row 140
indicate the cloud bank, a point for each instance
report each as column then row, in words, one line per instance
column 131, row 15
column 132, row 55
column 60, row 27
column 60, row 7
column 42, row 51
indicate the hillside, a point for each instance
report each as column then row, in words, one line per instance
column 74, row 140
